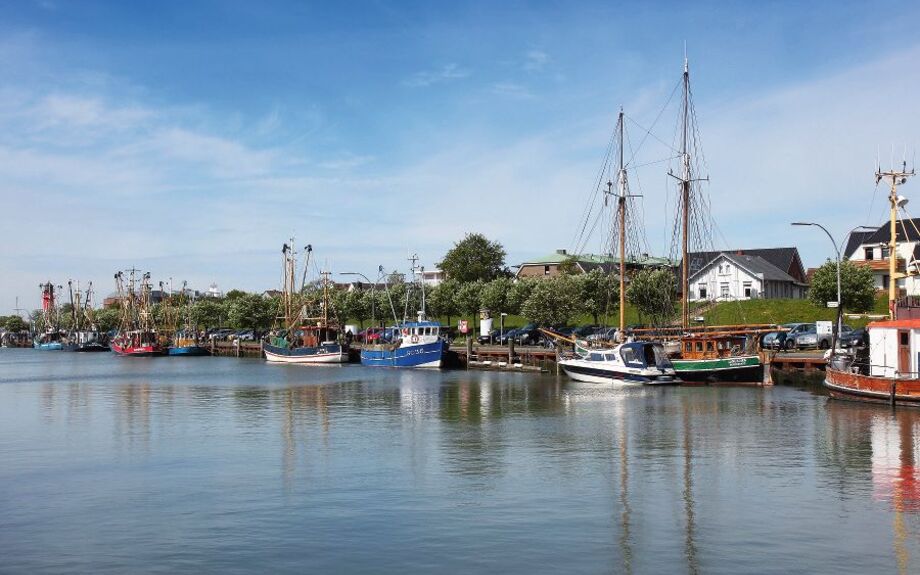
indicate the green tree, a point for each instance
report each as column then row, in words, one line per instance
column 442, row 299
column 107, row 318
column 234, row 294
column 568, row 266
column 653, row 293
column 553, row 302
column 857, row 289
column 15, row 323
column 600, row 293
column 469, row 299
column 351, row 305
column 208, row 313
column 474, row 258
column 495, row 295
column 250, row 311
column 520, row 291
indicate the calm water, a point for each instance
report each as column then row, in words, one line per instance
column 222, row 465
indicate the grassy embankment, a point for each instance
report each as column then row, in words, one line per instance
column 725, row 313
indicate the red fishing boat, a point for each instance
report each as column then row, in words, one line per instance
column 137, row 334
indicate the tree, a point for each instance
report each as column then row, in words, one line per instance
column 857, row 289
column 600, row 293
column 208, row 313
column 351, row 305
column 107, row 318
column 520, row 291
column 474, row 258
column 469, row 299
column 553, row 302
column 234, row 294
column 15, row 323
column 568, row 266
column 653, row 293
column 495, row 294
column 442, row 299
column 250, row 311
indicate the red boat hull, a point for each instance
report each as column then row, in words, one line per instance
column 855, row 386
column 138, row 351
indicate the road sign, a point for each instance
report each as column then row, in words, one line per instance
column 832, row 304
column 464, row 326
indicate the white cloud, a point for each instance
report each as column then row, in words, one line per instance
column 535, row 60
column 446, row 73
column 512, row 90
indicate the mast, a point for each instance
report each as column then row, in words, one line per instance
column 685, row 204
column 895, row 178
column 621, row 204
column 73, row 307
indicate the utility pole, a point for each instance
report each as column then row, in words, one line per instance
column 894, row 178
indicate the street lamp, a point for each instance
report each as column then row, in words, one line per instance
column 373, row 292
column 501, row 327
column 836, row 333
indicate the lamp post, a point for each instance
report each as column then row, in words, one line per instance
column 501, row 327
column 836, row 333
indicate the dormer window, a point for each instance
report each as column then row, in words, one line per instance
column 870, row 254
column 885, row 251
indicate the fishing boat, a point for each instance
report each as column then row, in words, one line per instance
column 184, row 340
column 306, row 336
column 50, row 337
column 137, row 335
column 702, row 357
column 83, row 336
column 631, row 362
column 891, row 373
column 408, row 343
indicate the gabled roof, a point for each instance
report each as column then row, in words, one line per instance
column 907, row 230
column 855, row 240
column 786, row 259
column 754, row 265
column 588, row 262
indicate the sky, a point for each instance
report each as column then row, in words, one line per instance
column 192, row 139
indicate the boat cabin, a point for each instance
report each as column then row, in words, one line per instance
column 712, row 346
column 894, row 348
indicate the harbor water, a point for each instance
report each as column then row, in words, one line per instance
column 224, row 465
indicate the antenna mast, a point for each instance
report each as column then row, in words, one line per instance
column 895, row 178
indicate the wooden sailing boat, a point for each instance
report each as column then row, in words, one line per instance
column 704, row 356
column 83, row 335
column 891, row 376
column 632, row 362
column 306, row 335
column 137, row 334
column 50, row 335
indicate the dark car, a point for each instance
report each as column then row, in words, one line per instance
column 492, row 337
column 530, row 334
column 858, row 338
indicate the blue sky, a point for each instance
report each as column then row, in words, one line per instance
column 193, row 138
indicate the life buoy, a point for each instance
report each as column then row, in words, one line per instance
column 414, row 339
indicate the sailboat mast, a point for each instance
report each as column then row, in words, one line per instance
column 621, row 205
column 685, row 203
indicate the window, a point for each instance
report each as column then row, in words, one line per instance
column 728, row 268
column 720, row 268
column 710, row 346
column 723, row 290
column 870, row 254
column 699, row 346
column 546, row 270
column 628, row 355
column 747, row 289
column 885, row 251
column 702, row 288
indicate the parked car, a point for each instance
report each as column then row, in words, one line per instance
column 858, row 338
column 585, row 331
column 784, row 339
column 812, row 339
column 488, row 339
column 220, row 334
column 603, row 334
column 508, row 335
column 530, row 334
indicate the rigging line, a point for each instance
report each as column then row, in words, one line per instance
column 652, row 163
column 648, row 132
column 586, row 214
column 631, row 204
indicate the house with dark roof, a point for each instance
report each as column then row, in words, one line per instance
column 786, row 259
column 549, row 266
column 871, row 249
column 740, row 276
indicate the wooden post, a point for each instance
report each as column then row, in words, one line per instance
column 557, row 358
column 510, row 350
column 893, row 386
column 212, row 346
column 469, row 350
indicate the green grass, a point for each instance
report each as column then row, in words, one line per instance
column 782, row 311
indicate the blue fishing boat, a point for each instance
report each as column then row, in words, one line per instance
column 413, row 344
column 45, row 343
column 408, row 343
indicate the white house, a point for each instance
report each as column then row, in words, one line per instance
column 431, row 277
column 871, row 249
column 731, row 276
